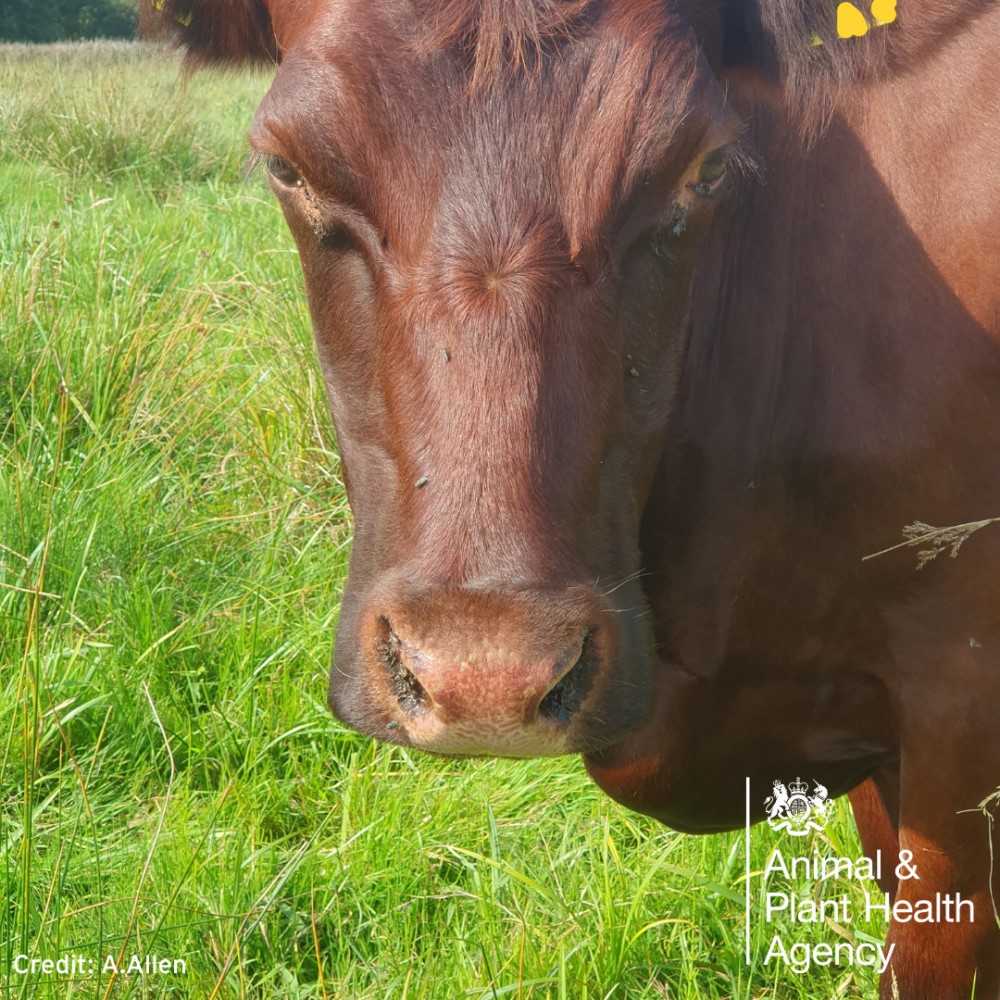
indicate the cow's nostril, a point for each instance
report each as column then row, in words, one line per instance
column 408, row 690
column 565, row 698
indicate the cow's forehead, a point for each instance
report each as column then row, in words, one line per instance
column 571, row 133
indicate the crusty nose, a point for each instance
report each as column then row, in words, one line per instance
column 490, row 681
column 470, row 673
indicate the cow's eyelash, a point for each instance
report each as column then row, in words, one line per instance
column 276, row 166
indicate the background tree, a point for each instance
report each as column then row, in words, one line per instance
column 59, row 20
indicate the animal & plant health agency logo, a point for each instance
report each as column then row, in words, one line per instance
column 803, row 891
column 797, row 809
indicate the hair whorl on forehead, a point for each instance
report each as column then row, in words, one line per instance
column 499, row 34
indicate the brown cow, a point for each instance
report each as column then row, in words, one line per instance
column 643, row 323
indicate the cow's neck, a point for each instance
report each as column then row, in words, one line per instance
column 837, row 387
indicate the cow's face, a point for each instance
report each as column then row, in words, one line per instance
column 497, row 225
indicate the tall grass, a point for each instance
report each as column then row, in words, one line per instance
column 173, row 541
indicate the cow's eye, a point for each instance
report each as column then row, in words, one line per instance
column 283, row 172
column 711, row 172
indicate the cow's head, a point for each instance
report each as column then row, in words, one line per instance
column 497, row 205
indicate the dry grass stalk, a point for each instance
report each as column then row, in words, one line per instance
column 935, row 540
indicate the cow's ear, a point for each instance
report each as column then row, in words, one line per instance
column 794, row 43
column 713, row 24
column 770, row 36
column 214, row 31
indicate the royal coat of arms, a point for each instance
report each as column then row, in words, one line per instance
column 797, row 810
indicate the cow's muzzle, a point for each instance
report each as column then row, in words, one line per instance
column 477, row 671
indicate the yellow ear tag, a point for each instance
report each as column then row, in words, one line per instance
column 185, row 21
column 884, row 11
column 851, row 22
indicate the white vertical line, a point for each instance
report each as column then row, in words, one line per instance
column 746, row 881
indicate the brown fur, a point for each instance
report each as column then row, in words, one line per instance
column 775, row 37
column 500, row 35
column 213, row 31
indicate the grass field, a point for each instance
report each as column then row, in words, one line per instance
column 173, row 542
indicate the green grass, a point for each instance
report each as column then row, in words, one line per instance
column 173, row 543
